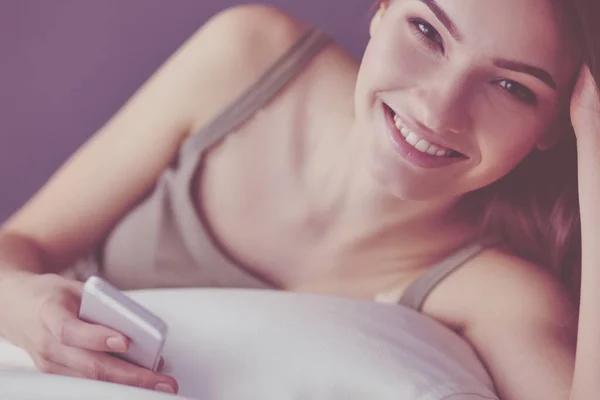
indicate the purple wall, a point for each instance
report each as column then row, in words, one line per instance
column 67, row 65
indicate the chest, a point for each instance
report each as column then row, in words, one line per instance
column 251, row 193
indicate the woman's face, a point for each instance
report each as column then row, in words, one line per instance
column 453, row 94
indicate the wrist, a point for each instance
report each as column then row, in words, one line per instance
column 588, row 147
column 9, row 275
column 8, row 280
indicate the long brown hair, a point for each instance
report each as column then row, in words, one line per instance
column 535, row 207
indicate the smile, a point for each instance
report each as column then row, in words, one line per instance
column 419, row 143
column 415, row 148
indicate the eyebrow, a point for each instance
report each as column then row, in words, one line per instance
column 443, row 17
column 517, row 66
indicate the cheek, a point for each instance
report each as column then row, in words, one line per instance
column 393, row 59
column 504, row 147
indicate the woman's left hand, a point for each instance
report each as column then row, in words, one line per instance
column 585, row 107
column 585, row 117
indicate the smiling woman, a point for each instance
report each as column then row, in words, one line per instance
column 535, row 205
column 440, row 174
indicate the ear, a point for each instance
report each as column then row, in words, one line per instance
column 381, row 10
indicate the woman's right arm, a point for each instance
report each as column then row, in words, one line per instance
column 105, row 178
column 121, row 162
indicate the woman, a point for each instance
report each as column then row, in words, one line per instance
column 369, row 181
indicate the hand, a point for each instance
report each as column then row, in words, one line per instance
column 585, row 106
column 40, row 314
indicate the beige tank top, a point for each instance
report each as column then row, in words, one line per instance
column 163, row 241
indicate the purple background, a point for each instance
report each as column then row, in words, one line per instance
column 67, row 65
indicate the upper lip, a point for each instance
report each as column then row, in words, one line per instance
column 422, row 132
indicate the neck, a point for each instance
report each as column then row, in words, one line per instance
column 358, row 214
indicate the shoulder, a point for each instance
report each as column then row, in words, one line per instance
column 521, row 323
column 519, row 320
column 521, row 289
column 254, row 30
column 498, row 287
column 233, row 49
column 257, row 19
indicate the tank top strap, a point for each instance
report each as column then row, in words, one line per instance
column 260, row 93
column 183, row 223
column 416, row 294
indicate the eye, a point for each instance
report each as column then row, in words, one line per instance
column 427, row 33
column 519, row 91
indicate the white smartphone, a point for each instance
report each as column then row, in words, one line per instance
column 104, row 304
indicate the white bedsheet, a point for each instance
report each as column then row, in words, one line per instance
column 249, row 344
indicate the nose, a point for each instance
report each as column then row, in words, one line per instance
column 442, row 102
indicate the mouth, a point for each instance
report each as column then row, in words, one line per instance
column 415, row 148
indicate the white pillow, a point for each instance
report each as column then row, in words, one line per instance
column 250, row 344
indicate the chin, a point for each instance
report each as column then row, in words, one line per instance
column 401, row 174
column 407, row 189
column 398, row 178
column 405, row 183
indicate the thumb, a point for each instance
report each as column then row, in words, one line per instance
column 585, row 103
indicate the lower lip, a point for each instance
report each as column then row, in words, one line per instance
column 409, row 153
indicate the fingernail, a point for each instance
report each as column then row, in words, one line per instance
column 116, row 344
column 165, row 388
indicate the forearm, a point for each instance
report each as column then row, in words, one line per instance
column 587, row 367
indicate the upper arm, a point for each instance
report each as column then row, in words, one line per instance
column 525, row 332
column 121, row 162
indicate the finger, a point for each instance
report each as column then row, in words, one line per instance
column 49, row 367
column 582, row 77
column 104, row 367
column 73, row 332
column 57, row 369
column 585, row 94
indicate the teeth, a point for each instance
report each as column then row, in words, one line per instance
column 418, row 143
column 412, row 139
column 423, row 146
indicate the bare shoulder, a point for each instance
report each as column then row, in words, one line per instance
column 519, row 320
column 255, row 25
column 242, row 42
column 498, row 286
column 203, row 75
